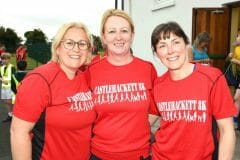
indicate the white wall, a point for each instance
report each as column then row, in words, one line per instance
column 145, row 19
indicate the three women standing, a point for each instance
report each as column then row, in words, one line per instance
column 122, row 98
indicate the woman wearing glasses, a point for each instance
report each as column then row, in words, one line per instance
column 53, row 112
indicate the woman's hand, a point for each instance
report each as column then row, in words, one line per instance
column 230, row 55
column 236, row 61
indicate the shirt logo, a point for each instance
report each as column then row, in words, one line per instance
column 186, row 110
column 128, row 92
column 81, row 101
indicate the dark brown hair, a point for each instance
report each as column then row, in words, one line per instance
column 163, row 31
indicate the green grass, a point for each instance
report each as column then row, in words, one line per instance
column 31, row 63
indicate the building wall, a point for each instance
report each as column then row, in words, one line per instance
column 146, row 17
column 234, row 26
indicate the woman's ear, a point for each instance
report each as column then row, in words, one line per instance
column 132, row 37
column 57, row 51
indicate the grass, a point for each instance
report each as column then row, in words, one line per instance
column 31, row 63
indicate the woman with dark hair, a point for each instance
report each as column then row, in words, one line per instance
column 186, row 107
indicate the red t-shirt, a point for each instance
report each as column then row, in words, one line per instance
column 1, row 51
column 21, row 53
column 122, row 99
column 186, row 108
column 67, row 122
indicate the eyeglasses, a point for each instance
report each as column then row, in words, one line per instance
column 70, row 44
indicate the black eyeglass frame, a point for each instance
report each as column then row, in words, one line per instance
column 79, row 44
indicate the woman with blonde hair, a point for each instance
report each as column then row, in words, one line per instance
column 121, row 94
column 59, row 118
column 198, row 52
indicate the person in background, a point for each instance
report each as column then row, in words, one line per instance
column 235, row 59
column 198, row 52
column 237, row 103
column 18, row 76
column 7, row 70
column 2, row 50
column 185, row 107
column 21, row 53
column 95, row 49
column 60, row 115
column 237, row 42
column 121, row 93
column 232, row 66
column 95, row 56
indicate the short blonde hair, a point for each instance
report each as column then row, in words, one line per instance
column 202, row 37
column 115, row 12
column 62, row 31
column 6, row 55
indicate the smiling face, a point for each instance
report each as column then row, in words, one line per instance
column 71, row 59
column 172, row 51
column 117, row 35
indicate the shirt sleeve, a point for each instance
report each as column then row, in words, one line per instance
column 221, row 100
column 153, row 107
column 32, row 97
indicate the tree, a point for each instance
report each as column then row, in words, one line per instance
column 9, row 38
column 35, row 36
column 37, row 45
column 97, row 43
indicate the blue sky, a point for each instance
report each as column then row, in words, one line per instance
column 48, row 15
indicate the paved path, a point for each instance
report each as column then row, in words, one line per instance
column 4, row 135
column 237, row 150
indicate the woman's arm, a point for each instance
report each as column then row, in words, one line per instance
column 20, row 139
column 236, row 61
column 237, row 99
column 207, row 62
column 227, row 139
column 4, row 81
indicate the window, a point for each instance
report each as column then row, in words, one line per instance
column 158, row 4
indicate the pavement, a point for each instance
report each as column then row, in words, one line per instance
column 237, row 149
column 5, row 151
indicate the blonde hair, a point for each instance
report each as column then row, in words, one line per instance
column 6, row 55
column 202, row 37
column 62, row 31
column 115, row 12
